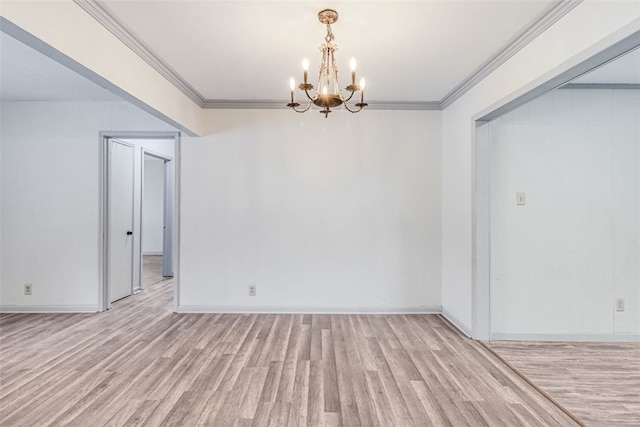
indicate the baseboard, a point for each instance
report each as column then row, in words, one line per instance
column 83, row 308
column 152, row 253
column 306, row 310
column 501, row 336
column 455, row 322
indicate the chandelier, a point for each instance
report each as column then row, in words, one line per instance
column 328, row 94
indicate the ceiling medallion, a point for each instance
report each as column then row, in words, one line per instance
column 327, row 94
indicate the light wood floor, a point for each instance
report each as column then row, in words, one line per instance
column 597, row 382
column 152, row 270
column 141, row 364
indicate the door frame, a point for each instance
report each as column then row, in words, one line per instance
column 103, row 250
column 167, row 220
column 608, row 49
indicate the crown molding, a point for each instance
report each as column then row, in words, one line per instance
column 227, row 104
column 618, row 43
column 251, row 104
column 546, row 19
column 635, row 86
column 405, row 105
column 100, row 14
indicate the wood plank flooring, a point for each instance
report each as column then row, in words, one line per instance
column 598, row 382
column 152, row 270
column 140, row 364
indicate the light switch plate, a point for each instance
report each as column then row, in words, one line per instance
column 521, row 199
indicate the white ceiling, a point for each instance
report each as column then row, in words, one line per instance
column 247, row 50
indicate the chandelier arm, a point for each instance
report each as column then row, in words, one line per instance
column 350, row 110
column 345, row 100
column 308, row 96
column 302, row 110
column 360, row 106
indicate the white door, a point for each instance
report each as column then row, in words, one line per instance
column 121, row 164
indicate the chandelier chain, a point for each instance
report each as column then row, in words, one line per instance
column 330, row 37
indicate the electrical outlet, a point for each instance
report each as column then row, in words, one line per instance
column 252, row 290
column 620, row 304
column 521, row 199
column 28, row 288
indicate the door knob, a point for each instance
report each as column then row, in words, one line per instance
column 129, row 233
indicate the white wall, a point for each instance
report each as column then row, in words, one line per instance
column 589, row 23
column 337, row 214
column 153, row 206
column 560, row 261
column 1, row 199
column 50, row 199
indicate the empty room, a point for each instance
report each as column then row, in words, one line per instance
column 320, row 213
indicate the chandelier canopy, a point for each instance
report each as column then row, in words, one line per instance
column 328, row 94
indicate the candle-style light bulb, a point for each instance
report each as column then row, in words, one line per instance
column 292, row 85
column 325, row 90
column 352, row 64
column 362, row 84
column 305, row 68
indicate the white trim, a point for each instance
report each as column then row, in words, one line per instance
column 102, row 223
column 82, row 308
column 608, row 49
column 546, row 19
column 405, row 105
column 100, row 14
column 104, row 137
column 501, row 336
column 152, row 253
column 481, row 245
column 177, row 206
column 254, row 104
column 455, row 322
column 607, row 86
column 306, row 310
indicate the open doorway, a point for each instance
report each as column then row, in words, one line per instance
column 153, row 155
column 556, row 190
column 156, row 213
column 625, row 42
